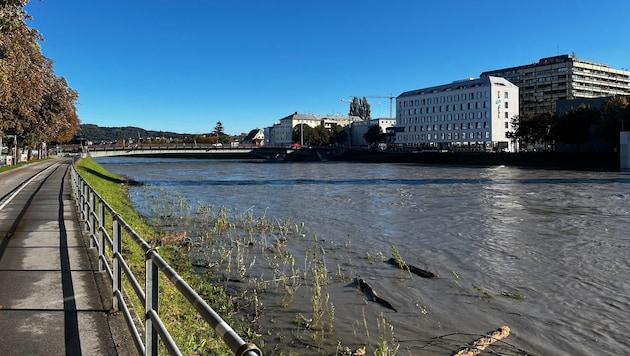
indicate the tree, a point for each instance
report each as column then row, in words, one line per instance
column 338, row 134
column 303, row 134
column 533, row 128
column 373, row 134
column 35, row 104
column 615, row 115
column 360, row 108
column 572, row 128
column 218, row 129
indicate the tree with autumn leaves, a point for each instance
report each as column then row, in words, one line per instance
column 36, row 105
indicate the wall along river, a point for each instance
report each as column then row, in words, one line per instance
column 544, row 252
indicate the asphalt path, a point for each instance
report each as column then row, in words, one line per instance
column 53, row 301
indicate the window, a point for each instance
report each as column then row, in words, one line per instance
column 506, row 125
column 506, row 104
column 507, row 115
column 506, row 95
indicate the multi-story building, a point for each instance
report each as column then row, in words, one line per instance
column 471, row 114
column 358, row 129
column 562, row 77
column 281, row 134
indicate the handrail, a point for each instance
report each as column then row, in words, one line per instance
column 93, row 212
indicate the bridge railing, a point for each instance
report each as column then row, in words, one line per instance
column 105, row 226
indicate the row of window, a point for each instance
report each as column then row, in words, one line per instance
column 450, row 117
column 449, row 127
column 449, row 98
column 446, row 136
column 446, row 108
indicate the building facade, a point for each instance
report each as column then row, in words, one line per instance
column 465, row 115
column 281, row 134
column 360, row 128
column 563, row 77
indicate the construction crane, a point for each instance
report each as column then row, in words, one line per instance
column 390, row 97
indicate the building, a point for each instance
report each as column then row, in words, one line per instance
column 255, row 137
column 281, row 134
column 562, row 77
column 471, row 114
column 358, row 129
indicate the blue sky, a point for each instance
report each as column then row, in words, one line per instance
column 184, row 65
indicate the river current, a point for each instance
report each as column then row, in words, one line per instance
column 544, row 252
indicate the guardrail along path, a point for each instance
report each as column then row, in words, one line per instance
column 49, row 291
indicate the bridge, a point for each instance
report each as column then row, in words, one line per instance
column 200, row 151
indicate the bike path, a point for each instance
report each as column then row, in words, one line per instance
column 53, row 301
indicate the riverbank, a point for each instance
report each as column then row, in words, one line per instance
column 191, row 333
column 555, row 160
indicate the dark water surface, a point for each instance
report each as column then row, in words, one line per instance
column 542, row 251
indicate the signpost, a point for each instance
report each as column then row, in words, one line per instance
column 9, row 159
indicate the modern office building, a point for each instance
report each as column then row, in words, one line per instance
column 465, row 115
column 563, row 77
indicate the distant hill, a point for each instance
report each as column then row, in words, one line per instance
column 96, row 133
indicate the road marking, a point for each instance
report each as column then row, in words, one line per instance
column 22, row 187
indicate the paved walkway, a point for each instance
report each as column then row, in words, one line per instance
column 50, row 302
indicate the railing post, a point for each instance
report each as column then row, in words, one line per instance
column 117, row 271
column 101, row 235
column 84, row 189
column 151, row 304
column 91, row 211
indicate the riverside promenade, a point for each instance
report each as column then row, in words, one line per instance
column 52, row 299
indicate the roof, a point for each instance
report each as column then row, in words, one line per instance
column 459, row 85
column 315, row 117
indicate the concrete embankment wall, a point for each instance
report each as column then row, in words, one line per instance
column 569, row 160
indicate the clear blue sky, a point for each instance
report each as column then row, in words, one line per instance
column 184, row 65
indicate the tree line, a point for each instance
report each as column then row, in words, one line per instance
column 36, row 105
column 575, row 127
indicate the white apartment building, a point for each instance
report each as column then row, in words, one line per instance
column 281, row 134
column 471, row 114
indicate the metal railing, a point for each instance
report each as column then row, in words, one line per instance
column 95, row 212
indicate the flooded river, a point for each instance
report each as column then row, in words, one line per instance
column 544, row 252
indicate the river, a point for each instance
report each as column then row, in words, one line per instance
column 544, row 252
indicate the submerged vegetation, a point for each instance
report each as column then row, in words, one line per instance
column 272, row 280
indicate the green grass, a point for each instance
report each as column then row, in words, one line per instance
column 191, row 333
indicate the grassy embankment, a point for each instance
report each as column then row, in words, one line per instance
column 192, row 334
